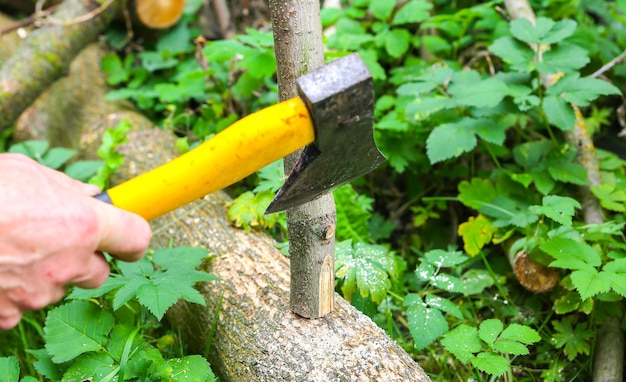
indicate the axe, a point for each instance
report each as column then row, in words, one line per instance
column 332, row 119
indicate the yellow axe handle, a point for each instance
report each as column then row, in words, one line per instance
column 236, row 152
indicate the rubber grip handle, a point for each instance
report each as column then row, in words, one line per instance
column 236, row 152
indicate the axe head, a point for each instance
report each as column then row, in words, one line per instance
column 340, row 100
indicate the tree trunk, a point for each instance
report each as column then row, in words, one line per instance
column 46, row 54
column 299, row 49
column 247, row 329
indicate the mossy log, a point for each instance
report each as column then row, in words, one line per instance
column 45, row 55
column 256, row 337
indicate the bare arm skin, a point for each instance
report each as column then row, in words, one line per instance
column 53, row 233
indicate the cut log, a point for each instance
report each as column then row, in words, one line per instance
column 256, row 337
column 46, row 54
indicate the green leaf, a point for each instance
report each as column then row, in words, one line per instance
column 381, row 9
column 567, row 303
column 97, row 366
column 248, row 210
column 474, row 281
column 365, row 267
column 489, row 330
column 484, row 93
column 510, row 347
column 32, row 149
column 76, row 328
column 191, row 368
column 610, row 198
column 260, row 63
column 397, row 42
column 354, row 211
column 574, row 341
column 444, row 305
column 441, row 258
column 568, row 172
column 559, row 113
column 83, row 170
column 561, row 209
column 545, row 31
column 450, row 140
column 491, row 363
column 589, row 282
column 520, row 333
column 581, row 91
column 414, row 11
column 426, row 324
column 57, row 157
column 45, row 366
column 571, row 254
column 518, row 55
column 476, row 193
column 476, row 233
column 462, row 341
column 563, row 58
column 10, row 367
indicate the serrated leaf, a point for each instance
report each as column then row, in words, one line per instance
column 581, row 91
column 563, row 58
column 76, row 328
column 475, row 281
column 520, row 333
column 590, row 282
column 365, row 267
column 426, row 324
column 462, row 341
column 10, row 367
column 83, row 170
column 510, row 347
column 444, row 305
column 450, row 140
column 568, row 172
column 489, row 330
column 561, row 209
column 476, row 193
column 91, row 366
column 156, row 299
column 484, row 93
column 191, row 368
column 567, row 303
column 559, row 113
column 519, row 55
column 354, row 211
column 441, row 258
column 574, row 341
column 567, row 251
column 491, row 363
column 617, row 282
column 610, row 198
column 545, row 31
column 476, row 233
column 44, row 364
column 414, row 11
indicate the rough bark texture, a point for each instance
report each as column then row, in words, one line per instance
column 45, row 56
column 256, row 337
column 299, row 49
column 608, row 364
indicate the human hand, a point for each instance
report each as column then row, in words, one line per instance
column 53, row 233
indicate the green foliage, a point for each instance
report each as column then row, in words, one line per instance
column 368, row 269
column 156, row 283
column 58, row 158
column 488, row 346
column 111, row 139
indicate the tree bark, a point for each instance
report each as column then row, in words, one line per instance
column 46, row 54
column 299, row 49
column 256, row 337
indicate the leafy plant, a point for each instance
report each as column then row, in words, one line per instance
column 84, row 338
column 111, row 139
